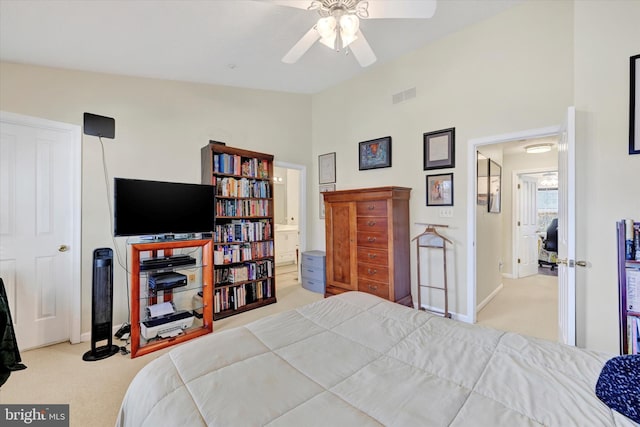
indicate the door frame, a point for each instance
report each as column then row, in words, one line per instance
column 75, row 140
column 515, row 207
column 302, row 205
column 473, row 146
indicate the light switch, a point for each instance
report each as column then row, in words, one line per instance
column 446, row 212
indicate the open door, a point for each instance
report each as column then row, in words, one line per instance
column 527, row 263
column 566, row 230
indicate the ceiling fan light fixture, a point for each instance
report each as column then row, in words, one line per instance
column 537, row 148
column 349, row 27
column 327, row 29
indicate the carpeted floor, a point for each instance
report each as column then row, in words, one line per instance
column 528, row 306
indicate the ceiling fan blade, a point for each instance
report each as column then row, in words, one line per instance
column 362, row 51
column 421, row 9
column 298, row 4
column 302, row 46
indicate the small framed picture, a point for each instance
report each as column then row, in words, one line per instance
column 482, row 164
column 375, row 153
column 440, row 149
column 634, row 106
column 323, row 189
column 495, row 181
column 440, row 190
column 327, row 168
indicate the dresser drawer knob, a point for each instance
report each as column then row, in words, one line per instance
column 371, row 272
column 371, row 207
column 371, row 239
column 373, row 288
column 371, row 223
column 372, row 256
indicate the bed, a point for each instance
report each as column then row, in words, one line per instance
column 358, row 360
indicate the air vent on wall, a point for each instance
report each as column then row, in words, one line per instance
column 405, row 95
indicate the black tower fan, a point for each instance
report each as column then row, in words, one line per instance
column 102, row 306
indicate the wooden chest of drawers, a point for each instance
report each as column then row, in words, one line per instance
column 367, row 239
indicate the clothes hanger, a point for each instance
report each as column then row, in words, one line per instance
column 431, row 230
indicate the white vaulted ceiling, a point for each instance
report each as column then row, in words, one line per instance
column 226, row 42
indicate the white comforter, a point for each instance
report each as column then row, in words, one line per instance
column 357, row 360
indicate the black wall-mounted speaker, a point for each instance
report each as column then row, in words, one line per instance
column 102, row 306
column 101, row 126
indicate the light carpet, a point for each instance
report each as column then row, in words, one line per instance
column 528, row 306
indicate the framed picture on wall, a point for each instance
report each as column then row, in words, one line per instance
column 375, row 154
column 495, row 181
column 482, row 164
column 440, row 190
column 327, row 168
column 439, row 149
column 634, row 106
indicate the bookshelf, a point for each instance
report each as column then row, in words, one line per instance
column 243, row 235
column 629, row 286
column 189, row 299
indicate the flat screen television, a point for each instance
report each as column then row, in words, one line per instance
column 147, row 208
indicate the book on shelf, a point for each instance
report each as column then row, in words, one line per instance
column 242, row 207
column 241, row 273
column 233, row 164
column 632, row 240
column 633, row 332
column 229, row 254
column 242, row 230
column 636, row 240
column 234, row 297
column 633, row 289
column 243, row 187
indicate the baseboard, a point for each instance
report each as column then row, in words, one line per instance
column 508, row 276
column 86, row 336
column 488, row 299
column 454, row 316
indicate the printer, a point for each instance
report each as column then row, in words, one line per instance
column 164, row 321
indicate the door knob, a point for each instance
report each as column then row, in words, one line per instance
column 63, row 248
column 570, row 262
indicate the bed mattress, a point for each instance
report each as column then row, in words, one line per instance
column 358, row 360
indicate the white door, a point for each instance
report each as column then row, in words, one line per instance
column 527, row 225
column 37, row 230
column 566, row 230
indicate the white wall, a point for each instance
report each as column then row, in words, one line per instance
column 160, row 128
column 606, row 35
column 506, row 74
column 489, row 232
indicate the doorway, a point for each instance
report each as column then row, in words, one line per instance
column 40, row 169
column 500, row 266
column 289, row 216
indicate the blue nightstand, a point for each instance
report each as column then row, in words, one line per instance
column 313, row 271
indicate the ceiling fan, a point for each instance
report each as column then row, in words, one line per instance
column 339, row 24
